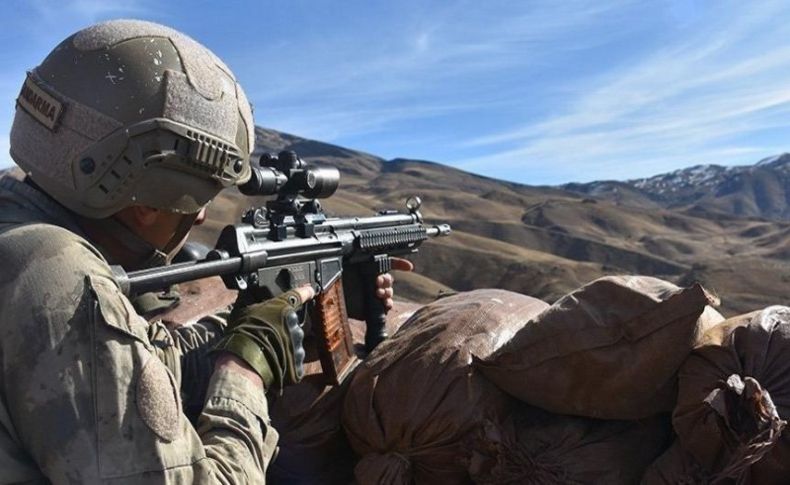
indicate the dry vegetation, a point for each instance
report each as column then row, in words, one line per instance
column 546, row 241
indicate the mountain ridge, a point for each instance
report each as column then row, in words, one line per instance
column 545, row 241
column 760, row 190
column 707, row 189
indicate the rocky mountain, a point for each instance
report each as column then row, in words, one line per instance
column 11, row 172
column 725, row 227
column 761, row 190
column 545, row 241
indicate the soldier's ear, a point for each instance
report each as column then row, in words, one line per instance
column 143, row 216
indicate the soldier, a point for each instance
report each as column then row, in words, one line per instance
column 126, row 131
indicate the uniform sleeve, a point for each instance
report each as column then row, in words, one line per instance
column 185, row 350
column 88, row 396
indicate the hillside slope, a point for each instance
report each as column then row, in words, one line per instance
column 545, row 241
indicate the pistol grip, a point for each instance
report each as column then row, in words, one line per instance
column 375, row 311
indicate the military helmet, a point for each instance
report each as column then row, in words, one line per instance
column 127, row 113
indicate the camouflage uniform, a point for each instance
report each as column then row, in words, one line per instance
column 84, row 394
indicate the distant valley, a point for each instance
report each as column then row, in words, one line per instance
column 727, row 227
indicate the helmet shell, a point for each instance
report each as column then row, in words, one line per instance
column 128, row 112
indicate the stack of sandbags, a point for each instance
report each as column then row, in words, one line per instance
column 313, row 447
column 417, row 400
column 676, row 467
column 611, row 349
column 734, row 402
column 535, row 447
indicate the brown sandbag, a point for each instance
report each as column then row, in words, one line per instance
column 538, row 448
column 610, row 349
column 416, row 398
column 676, row 467
column 313, row 447
column 734, row 399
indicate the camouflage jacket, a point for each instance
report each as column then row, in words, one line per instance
column 84, row 394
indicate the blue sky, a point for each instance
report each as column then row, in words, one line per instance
column 539, row 92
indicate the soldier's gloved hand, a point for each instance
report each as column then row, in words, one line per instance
column 384, row 289
column 268, row 337
column 354, row 287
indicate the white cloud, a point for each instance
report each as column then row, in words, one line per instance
column 443, row 62
column 689, row 102
column 5, row 158
column 328, row 124
column 696, row 94
column 87, row 11
column 423, row 42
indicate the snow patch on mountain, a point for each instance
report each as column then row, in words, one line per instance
column 704, row 176
column 696, row 176
column 770, row 160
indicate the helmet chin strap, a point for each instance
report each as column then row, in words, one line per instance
column 165, row 255
column 148, row 255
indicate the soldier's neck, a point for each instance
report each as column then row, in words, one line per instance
column 118, row 245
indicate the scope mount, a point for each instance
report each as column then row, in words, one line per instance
column 297, row 185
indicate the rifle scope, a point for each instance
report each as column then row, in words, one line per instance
column 288, row 176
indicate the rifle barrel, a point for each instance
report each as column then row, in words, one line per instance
column 137, row 282
column 324, row 245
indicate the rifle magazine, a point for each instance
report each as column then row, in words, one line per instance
column 335, row 343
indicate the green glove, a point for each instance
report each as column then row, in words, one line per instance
column 268, row 337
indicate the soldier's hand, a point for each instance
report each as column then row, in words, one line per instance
column 384, row 289
column 268, row 338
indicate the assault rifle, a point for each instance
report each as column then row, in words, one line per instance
column 291, row 242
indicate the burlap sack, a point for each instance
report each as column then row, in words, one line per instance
column 610, row 349
column 734, row 399
column 313, row 448
column 416, row 398
column 539, row 448
column 676, row 467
